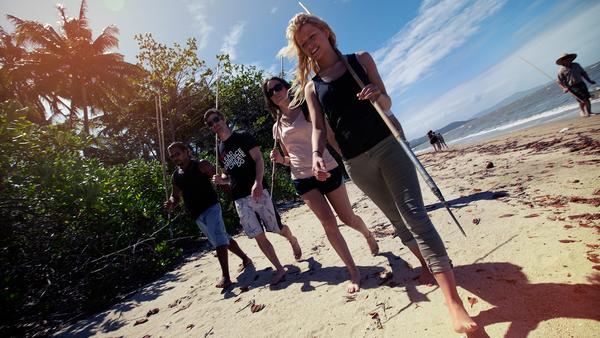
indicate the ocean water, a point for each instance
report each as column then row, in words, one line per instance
column 552, row 115
column 539, row 105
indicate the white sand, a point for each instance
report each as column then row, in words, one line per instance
column 526, row 281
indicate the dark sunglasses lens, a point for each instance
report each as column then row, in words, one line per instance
column 213, row 121
column 275, row 89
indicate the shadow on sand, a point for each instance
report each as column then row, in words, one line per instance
column 523, row 304
column 463, row 201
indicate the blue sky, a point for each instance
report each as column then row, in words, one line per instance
column 441, row 61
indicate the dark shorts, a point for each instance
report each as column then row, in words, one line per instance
column 580, row 90
column 304, row 185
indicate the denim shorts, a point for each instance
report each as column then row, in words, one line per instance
column 304, row 185
column 211, row 224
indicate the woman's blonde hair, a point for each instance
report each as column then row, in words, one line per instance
column 306, row 65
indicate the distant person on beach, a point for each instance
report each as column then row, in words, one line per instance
column 373, row 157
column 243, row 165
column 293, row 131
column 570, row 78
column 441, row 141
column 191, row 180
column 433, row 140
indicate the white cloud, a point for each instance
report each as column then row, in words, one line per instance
column 439, row 28
column 200, row 25
column 232, row 39
column 579, row 34
column 273, row 10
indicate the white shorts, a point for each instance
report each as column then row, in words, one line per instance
column 253, row 213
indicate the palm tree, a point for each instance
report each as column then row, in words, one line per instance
column 82, row 69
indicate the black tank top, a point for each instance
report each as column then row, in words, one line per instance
column 198, row 192
column 356, row 123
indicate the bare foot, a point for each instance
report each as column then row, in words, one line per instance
column 352, row 287
column 426, row 278
column 461, row 320
column 372, row 242
column 278, row 277
column 223, row 283
column 296, row 248
column 245, row 263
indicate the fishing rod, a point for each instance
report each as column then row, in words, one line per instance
column 413, row 158
column 551, row 78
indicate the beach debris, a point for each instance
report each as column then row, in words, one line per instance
column 147, row 336
column 506, row 215
column 595, row 201
column 183, row 307
column 568, row 226
column 563, row 130
column 350, row 298
column 152, row 312
column 567, row 241
column 375, row 316
column 237, row 300
column 209, row 332
column 489, row 165
column 476, row 221
column 597, row 192
column 175, row 303
column 596, row 267
column 190, row 326
column 250, row 303
column 508, row 280
column 586, row 216
column 257, row 307
column 472, row 301
column 140, row 321
column 593, row 257
column 531, row 216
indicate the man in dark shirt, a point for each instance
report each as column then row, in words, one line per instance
column 191, row 180
column 570, row 78
column 242, row 161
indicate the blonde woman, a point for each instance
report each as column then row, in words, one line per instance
column 373, row 158
column 293, row 132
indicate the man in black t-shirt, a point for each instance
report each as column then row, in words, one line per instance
column 191, row 180
column 243, row 165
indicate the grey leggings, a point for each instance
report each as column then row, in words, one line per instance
column 387, row 176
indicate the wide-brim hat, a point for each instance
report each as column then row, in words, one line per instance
column 565, row 58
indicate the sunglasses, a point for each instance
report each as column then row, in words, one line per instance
column 212, row 121
column 275, row 89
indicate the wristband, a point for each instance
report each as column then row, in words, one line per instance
column 318, row 152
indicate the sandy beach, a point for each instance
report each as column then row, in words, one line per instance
column 529, row 202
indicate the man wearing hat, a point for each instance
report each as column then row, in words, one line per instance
column 570, row 78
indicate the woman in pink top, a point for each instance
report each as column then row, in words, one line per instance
column 294, row 133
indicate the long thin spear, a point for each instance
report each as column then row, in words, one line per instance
column 161, row 145
column 413, row 158
column 548, row 76
column 275, row 136
column 217, row 108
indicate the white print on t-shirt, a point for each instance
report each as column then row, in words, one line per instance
column 234, row 159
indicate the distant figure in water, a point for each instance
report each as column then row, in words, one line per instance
column 441, row 141
column 570, row 78
column 433, row 139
